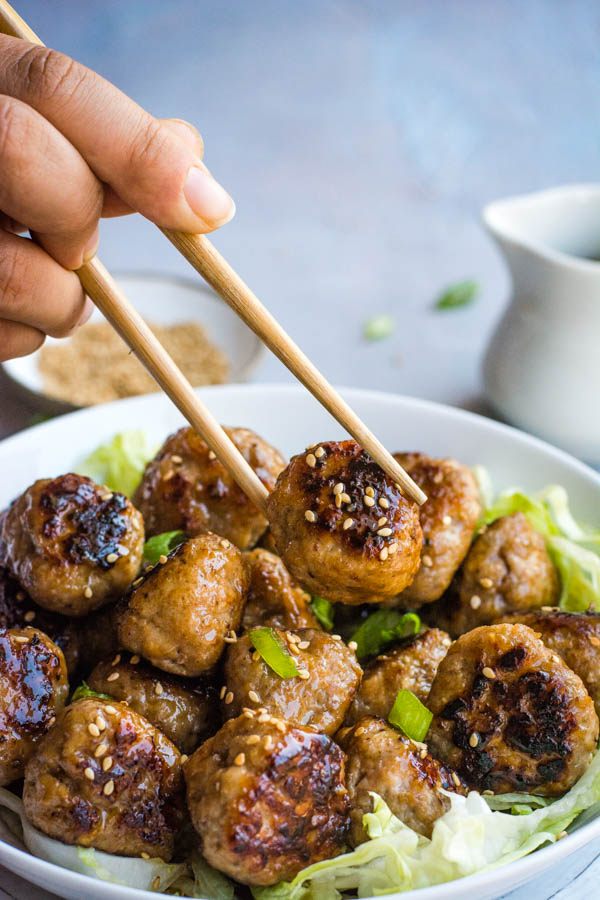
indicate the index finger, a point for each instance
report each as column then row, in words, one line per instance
column 145, row 162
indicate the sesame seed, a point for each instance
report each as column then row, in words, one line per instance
column 20, row 595
column 360, row 730
column 392, row 548
column 116, row 660
column 310, row 516
column 345, row 498
column 254, row 696
column 176, row 459
column 113, row 676
column 93, row 730
column 311, row 460
column 100, row 750
column 475, row 601
column 107, row 763
column 264, row 717
column 303, row 645
column 156, row 883
column 230, row 638
column 212, row 454
column 222, row 692
column 368, row 501
column 319, row 452
column 370, row 492
column 382, row 521
column 137, row 581
column 595, row 641
column 134, row 660
column 437, row 477
column 338, row 501
column 256, row 656
column 447, row 520
column 123, row 550
column 29, row 616
column 488, row 793
column 168, row 475
column 348, row 523
column 352, row 645
column 304, row 674
column 240, row 759
column 423, row 752
column 100, row 723
column 89, row 773
column 144, row 855
column 52, row 721
column 384, row 502
column 110, row 710
column 248, row 713
column 183, row 758
column 336, row 637
column 562, row 835
column 473, row 740
column 21, row 639
column 293, row 648
column 280, row 726
column 158, row 688
column 162, row 559
column 427, row 561
column 384, row 532
column 268, row 742
column 112, row 557
column 486, row 582
column 456, row 779
column 383, row 554
column 229, row 697
column 339, row 488
column 109, row 787
column 225, row 544
column 487, row 672
column 253, row 739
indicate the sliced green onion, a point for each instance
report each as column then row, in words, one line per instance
column 379, row 327
column 520, row 809
column 459, row 294
column 162, row 544
column 382, row 628
column 266, row 642
column 410, row 715
column 84, row 690
column 323, row 611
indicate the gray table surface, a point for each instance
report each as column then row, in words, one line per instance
column 360, row 141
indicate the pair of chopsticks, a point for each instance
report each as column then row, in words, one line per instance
column 203, row 256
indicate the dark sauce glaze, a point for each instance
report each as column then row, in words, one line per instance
column 30, row 672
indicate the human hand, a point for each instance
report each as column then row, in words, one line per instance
column 73, row 149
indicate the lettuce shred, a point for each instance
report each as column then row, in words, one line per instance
column 119, row 464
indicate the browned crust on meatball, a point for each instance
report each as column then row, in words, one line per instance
column 448, row 519
column 321, row 699
column 33, row 689
column 362, row 562
column 267, row 799
column 134, row 802
column 72, row 544
column 185, row 710
column 383, row 761
column 411, row 666
column 509, row 715
column 186, row 487
column 178, row 615
column 274, row 599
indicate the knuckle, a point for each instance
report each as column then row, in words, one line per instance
column 17, row 340
column 14, row 278
column 12, row 128
column 149, row 170
column 48, row 75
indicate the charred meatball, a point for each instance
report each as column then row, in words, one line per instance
column 186, row 487
column 33, row 689
column 267, row 799
column 448, row 519
column 411, row 666
column 17, row 610
column 72, row 544
column 104, row 777
column 274, row 599
column 343, row 528
column 185, row 710
column 402, row 772
column 180, row 612
column 319, row 696
column 509, row 715
column 574, row 636
column 507, row 569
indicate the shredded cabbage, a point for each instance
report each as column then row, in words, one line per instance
column 120, row 464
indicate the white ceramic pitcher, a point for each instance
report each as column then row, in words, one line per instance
column 542, row 368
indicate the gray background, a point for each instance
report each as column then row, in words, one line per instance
column 360, row 141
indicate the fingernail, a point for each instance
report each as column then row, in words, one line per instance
column 207, row 199
column 91, row 248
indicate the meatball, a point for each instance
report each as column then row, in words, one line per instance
column 411, row 666
column 343, row 528
column 509, row 715
column 267, row 799
column 274, row 599
column 383, row 761
column 17, row 610
column 506, row 569
column 448, row 519
column 186, row 711
column 179, row 614
column 33, row 689
column 320, row 696
column 574, row 636
column 104, row 777
column 186, row 487
column 72, row 544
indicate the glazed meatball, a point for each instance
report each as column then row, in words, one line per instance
column 274, row 599
column 320, row 696
column 186, row 487
column 448, row 519
column 104, row 777
column 506, row 569
column 267, row 799
column 178, row 615
column 343, row 528
column 383, row 761
column 411, row 666
column 574, row 636
column 33, row 689
column 509, row 715
column 185, row 710
column 17, row 610
column 72, row 544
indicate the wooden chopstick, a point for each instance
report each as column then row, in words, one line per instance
column 206, row 259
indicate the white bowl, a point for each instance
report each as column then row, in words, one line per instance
column 290, row 418
column 166, row 300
